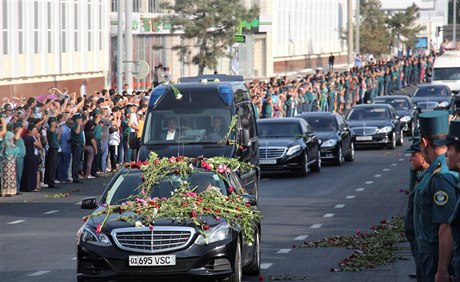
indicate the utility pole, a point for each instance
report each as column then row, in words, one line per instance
column 119, row 49
column 454, row 30
column 129, row 43
column 350, row 32
column 357, row 25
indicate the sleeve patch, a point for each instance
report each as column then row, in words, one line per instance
column 441, row 198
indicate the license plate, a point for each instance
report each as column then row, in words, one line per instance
column 152, row 260
column 427, row 110
column 363, row 138
column 267, row 161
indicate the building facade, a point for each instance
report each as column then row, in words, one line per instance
column 305, row 33
column 53, row 43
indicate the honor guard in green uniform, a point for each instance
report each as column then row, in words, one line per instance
column 434, row 201
column 452, row 141
column 417, row 171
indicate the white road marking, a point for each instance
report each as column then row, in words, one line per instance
column 283, row 251
column 38, row 273
column 359, row 190
column 378, row 175
column 301, row 237
column 328, row 215
column 77, row 204
column 74, row 258
column 16, row 221
column 386, row 169
column 316, row 226
column 350, row 197
column 51, row 212
column 266, row 265
column 395, row 164
column 339, row 206
column 369, row 182
column 400, row 160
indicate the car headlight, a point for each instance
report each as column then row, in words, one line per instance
column 88, row 235
column 217, row 233
column 406, row 118
column 293, row 150
column 385, row 129
column 443, row 104
column 329, row 143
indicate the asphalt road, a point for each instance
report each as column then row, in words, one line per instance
column 38, row 233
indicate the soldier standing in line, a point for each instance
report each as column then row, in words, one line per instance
column 452, row 141
column 418, row 167
column 434, row 201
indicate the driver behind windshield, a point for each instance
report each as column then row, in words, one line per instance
column 217, row 131
column 171, row 133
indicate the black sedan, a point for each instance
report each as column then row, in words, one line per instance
column 335, row 135
column 429, row 97
column 288, row 144
column 405, row 109
column 375, row 124
column 170, row 250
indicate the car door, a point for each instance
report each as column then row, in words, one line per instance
column 395, row 120
column 345, row 133
column 310, row 140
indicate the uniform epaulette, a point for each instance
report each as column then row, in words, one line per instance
column 437, row 169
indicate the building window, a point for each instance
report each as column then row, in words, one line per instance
column 20, row 29
column 136, row 6
column 76, row 27
column 37, row 39
column 153, row 6
column 114, row 6
column 100, row 25
column 4, row 28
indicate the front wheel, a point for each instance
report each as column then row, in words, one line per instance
column 317, row 166
column 304, row 166
column 392, row 145
column 339, row 158
column 237, row 265
column 351, row 155
column 254, row 267
column 400, row 139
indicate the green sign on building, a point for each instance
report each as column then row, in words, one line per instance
column 239, row 38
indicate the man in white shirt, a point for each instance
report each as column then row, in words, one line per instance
column 83, row 88
column 171, row 134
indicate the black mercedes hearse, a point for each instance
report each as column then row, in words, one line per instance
column 193, row 118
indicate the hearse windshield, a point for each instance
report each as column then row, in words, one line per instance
column 187, row 125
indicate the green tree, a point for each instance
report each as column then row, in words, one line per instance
column 210, row 25
column 374, row 35
column 402, row 26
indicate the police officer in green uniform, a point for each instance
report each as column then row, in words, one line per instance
column 52, row 135
column 452, row 141
column 418, row 167
column 78, row 142
column 434, row 201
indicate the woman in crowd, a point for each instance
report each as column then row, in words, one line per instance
column 32, row 143
column 8, row 150
column 19, row 142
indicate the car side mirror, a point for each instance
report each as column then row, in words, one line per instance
column 250, row 199
column 89, row 204
column 244, row 136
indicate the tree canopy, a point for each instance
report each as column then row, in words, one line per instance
column 210, row 25
column 380, row 31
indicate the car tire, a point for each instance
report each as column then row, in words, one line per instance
column 316, row 167
column 400, row 140
column 80, row 279
column 303, row 171
column 237, row 265
column 392, row 145
column 351, row 155
column 339, row 160
column 253, row 268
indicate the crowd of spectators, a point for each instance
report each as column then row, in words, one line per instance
column 337, row 92
column 64, row 137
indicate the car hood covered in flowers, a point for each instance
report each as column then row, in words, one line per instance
column 185, row 206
